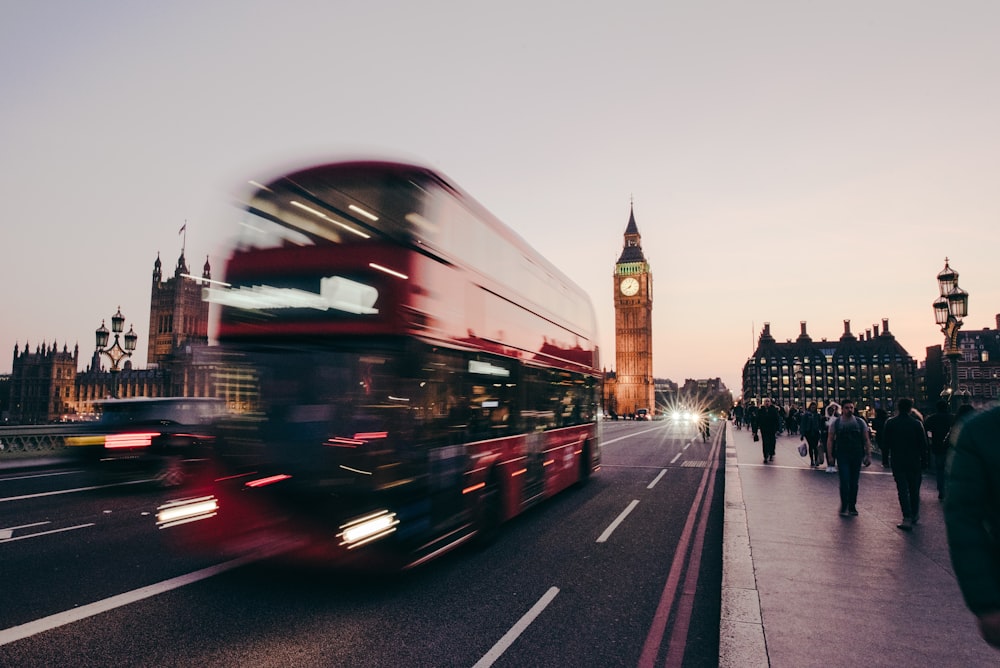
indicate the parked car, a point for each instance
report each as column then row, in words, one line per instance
column 162, row 439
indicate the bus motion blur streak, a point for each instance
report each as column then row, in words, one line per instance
column 406, row 372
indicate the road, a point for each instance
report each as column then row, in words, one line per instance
column 597, row 576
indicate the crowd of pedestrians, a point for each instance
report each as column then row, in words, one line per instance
column 962, row 451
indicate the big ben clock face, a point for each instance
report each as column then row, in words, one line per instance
column 629, row 286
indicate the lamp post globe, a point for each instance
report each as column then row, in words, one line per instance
column 950, row 307
column 115, row 352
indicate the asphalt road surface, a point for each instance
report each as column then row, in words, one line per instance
column 624, row 571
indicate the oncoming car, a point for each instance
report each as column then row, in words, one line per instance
column 684, row 416
column 163, row 439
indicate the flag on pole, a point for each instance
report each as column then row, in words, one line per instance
column 183, row 227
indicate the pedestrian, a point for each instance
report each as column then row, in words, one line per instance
column 849, row 437
column 704, row 428
column 769, row 421
column 878, row 423
column 831, row 413
column 905, row 439
column 751, row 418
column 938, row 425
column 809, row 432
column 972, row 518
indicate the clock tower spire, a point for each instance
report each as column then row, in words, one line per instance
column 633, row 289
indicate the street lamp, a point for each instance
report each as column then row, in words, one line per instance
column 115, row 352
column 949, row 308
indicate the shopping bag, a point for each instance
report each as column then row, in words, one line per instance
column 803, row 450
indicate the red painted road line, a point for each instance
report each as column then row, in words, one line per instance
column 678, row 636
column 655, row 636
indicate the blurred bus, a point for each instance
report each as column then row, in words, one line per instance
column 413, row 373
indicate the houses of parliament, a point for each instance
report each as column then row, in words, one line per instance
column 46, row 386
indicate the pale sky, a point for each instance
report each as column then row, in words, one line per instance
column 788, row 160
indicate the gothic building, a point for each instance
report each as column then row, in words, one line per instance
column 42, row 383
column 873, row 369
column 632, row 386
column 177, row 314
column 46, row 386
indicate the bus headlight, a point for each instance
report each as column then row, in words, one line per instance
column 183, row 511
column 363, row 530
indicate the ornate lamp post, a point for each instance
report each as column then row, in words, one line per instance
column 115, row 352
column 949, row 308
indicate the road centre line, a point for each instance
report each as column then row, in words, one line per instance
column 46, row 533
column 522, row 624
column 657, row 479
column 676, row 457
column 28, row 629
column 614, row 525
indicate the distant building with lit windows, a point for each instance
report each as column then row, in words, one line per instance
column 872, row 368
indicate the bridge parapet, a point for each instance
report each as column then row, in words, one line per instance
column 43, row 439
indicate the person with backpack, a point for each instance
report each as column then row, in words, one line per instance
column 849, row 436
column 809, row 432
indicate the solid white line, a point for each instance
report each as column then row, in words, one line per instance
column 522, row 624
column 39, row 475
column 614, row 525
column 46, row 533
column 70, row 491
column 676, row 457
column 688, row 445
column 656, row 479
column 15, row 633
column 622, row 438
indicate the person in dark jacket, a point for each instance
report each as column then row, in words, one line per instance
column 809, row 432
column 972, row 518
column 938, row 425
column 878, row 424
column 769, row 421
column 904, row 438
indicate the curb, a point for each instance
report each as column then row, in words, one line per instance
column 741, row 627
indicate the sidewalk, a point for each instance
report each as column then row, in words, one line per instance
column 803, row 586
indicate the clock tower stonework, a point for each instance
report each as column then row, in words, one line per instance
column 633, row 286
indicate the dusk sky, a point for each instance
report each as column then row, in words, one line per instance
column 788, row 161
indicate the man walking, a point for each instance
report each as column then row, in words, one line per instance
column 849, row 437
column 768, row 421
column 938, row 425
column 906, row 441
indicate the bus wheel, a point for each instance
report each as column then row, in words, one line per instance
column 172, row 473
column 488, row 512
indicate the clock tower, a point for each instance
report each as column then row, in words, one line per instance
column 633, row 286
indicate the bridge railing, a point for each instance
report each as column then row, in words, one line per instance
column 42, row 440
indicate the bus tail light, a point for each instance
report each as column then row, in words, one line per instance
column 183, row 511
column 364, row 530
column 136, row 440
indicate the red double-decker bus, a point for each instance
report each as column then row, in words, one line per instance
column 411, row 373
